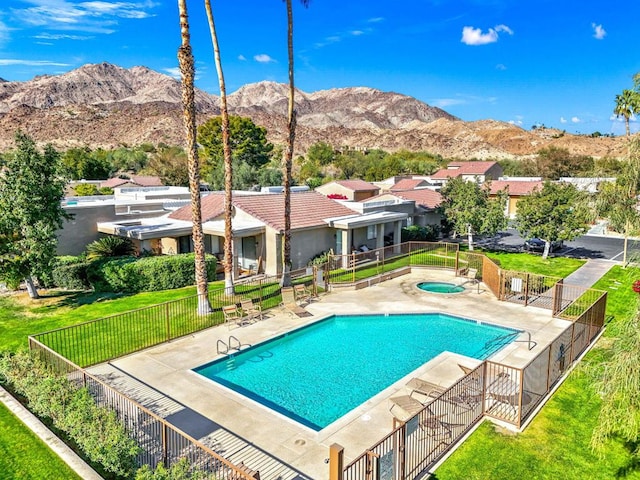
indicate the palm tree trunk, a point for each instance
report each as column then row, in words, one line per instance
column 187, row 71
column 228, row 166
column 288, row 157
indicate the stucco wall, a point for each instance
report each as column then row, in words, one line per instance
column 81, row 230
column 335, row 188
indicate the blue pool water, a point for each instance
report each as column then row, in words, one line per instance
column 318, row 373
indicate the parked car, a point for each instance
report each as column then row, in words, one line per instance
column 537, row 245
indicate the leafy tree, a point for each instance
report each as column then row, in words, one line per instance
column 552, row 163
column 170, row 164
column 187, row 73
column 321, row 153
column 618, row 201
column 81, row 163
column 468, row 208
column 86, row 189
column 31, row 188
column 270, row 176
column 559, row 211
column 248, row 142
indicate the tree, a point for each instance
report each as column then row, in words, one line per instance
column 467, row 206
column 31, row 189
column 619, row 389
column 618, row 201
column 187, row 72
column 226, row 153
column 559, row 211
column 247, row 142
column 81, row 163
column 288, row 152
column 171, row 165
column 627, row 104
column 321, row 153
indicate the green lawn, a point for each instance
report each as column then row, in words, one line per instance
column 24, row 456
column 526, row 262
column 556, row 443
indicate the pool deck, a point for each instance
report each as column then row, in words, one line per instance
column 161, row 379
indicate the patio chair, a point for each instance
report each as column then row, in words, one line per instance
column 289, row 302
column 427, row 390
column 232, row 315
column 302, row 293
column 467, row 396
column 250, row 309
column 246, row 471
column 470, row 276
column 405, row 407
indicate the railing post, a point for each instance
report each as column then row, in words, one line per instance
column 167, row 321
column 526, row 290
column 336, row 461
column 165, row 446
column 457, row 262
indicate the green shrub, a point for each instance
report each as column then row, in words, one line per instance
column 96, row 430
column 110, row 246
column 86, row 189
column 72, row 276
column 178, row 471
column 418, row 233
column 128, row 274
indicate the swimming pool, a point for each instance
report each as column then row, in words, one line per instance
column 440, row 287
column 318, row 373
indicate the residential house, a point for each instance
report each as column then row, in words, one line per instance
column 419, row 204
column 318, row 224
column 125, row 181
column 356, row 190
column 474, row 171
column 409, row 184
column 515, row 190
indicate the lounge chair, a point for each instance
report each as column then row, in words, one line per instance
column 250, row 309
column 302, row 293
column 406, row 407
column 427, row 390
column 467, row 396
column 471, row 275
column 232, row 315
column 289, row 302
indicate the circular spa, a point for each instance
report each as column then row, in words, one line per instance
column 440, row 287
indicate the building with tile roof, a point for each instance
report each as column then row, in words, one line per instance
column 515, row 190
column 419, row 204
column 318, row 224
column 132, row 181
column 475, row 171
column 356, row 190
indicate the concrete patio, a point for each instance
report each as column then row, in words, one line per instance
column 240, row 429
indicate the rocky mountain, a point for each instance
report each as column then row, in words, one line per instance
column 104, row 105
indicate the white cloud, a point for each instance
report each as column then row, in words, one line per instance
column 563, row 120
column 242, row 58
column 375, row 20
column 31, row 63
column 474, row 36
column 263, row 58
column 447, row 102
column 516, row 122
column 575, row 120
column 598, row 32
column 357, row 33
column 500, row 66
column 62, row 36
column 91, row 16
column 173, row 72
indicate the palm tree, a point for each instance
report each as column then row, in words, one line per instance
column 288, row 154
column 187, row 71
column 627, row 103
column 228, row 166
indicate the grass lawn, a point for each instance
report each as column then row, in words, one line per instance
column 556, row 443
column 24, row 456
column 527, row 262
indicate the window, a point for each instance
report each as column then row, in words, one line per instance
column 372, row 232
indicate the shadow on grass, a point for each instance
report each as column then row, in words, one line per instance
column 633, row 465
column 74, row 299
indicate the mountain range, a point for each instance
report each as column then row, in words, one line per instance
column 104, row 105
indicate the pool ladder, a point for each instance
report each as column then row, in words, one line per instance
column 232, row 344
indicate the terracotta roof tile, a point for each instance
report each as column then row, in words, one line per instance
column 308, row 209
column 408, row 184
column 141, row 180
column 516, row 187
column 212, row 206
column 455, row 169
column 424, row 197
column 357, row 185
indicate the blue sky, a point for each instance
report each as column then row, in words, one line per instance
column 554, row 62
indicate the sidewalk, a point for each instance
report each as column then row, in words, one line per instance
column 590, row 272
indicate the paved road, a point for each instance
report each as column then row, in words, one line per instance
column 587, row 246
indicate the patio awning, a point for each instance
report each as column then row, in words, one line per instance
column 357, row 221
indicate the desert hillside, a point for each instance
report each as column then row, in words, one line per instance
column 104, row 105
